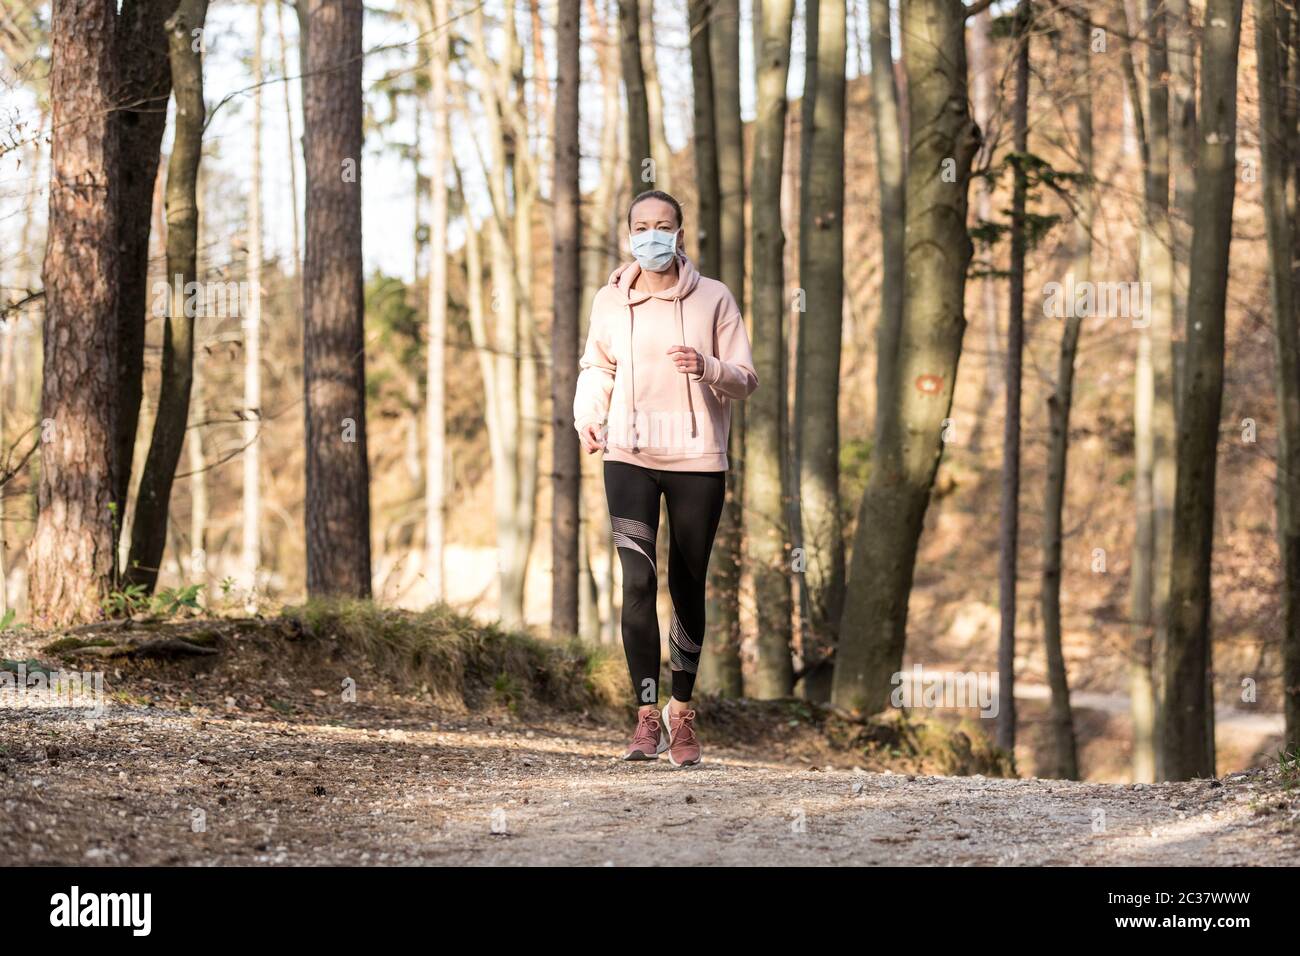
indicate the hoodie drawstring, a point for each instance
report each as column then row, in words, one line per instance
column 631, row 364
column 681, row 324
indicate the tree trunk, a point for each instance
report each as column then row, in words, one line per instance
column 291, row 153
column 943, row 141
column 153, row 500
column 528, row 346
column 71, row 556
column 435, row 417
column 1158, row 268
column 1188, row 722
column 1065, row 761
column 983, row 103
column 1182, row 156
column 540, row 75
column 654, row 95
column 338, row 474
column 720, row 670
column 817, row 391
column 890, row 171
column 1152, row 429
column 1276, row 46
column 196, row 463
column 567, row 292
column 600, row 233
column 251, row 550
column 708, row 212
column 1142, row 672
column 145, row 85
column 766, row 494
column 502, row 379
column 641, row 174
column 1009, row 511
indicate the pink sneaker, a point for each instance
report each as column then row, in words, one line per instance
column 683, row 745
column 650, row 739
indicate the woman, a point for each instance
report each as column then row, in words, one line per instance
column 666, row 354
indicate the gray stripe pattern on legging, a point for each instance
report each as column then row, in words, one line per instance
column 685, row 653
column 632, row 534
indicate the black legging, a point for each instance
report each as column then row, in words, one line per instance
column 694, row 507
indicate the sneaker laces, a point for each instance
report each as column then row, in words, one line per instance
column 683, row 727
column 647, row 730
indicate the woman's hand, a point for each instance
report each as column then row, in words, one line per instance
column 591, row 440
column 687, row 359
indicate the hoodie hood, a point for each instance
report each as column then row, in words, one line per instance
column 622, row 278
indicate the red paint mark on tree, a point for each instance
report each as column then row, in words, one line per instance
column 929, row 384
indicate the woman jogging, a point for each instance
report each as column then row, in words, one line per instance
column 666, row 354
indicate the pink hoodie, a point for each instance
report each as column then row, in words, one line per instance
column 656, row 416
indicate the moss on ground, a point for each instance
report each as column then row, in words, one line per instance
column 464, row 662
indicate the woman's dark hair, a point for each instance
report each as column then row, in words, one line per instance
column 655, row 194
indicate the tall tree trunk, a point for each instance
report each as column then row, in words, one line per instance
column 1009, row 511
column 654, row 95
column 1155, row 265
column 511, row 379
column 291, row 153
column 529, row 346
column 890, row 172
column 1275, row 39
column 505, row 375
column 251, row 549
column 943, row 141
column 817, row 391
column 983, row 103
column 435, row 417
column 567, row 292
column 720, row 670
column 1158, row 268
column 1182, row 162
column 1065, row 761
column 1188, row 722
column 641, row 174
column 71, row 555
column 766, row 494
column 600, row 233
column 1142, row 668
column 196, row 463
column 153, row 500
column 708, row 207
column 334, row 366
column 540, row 76
column 145, row 85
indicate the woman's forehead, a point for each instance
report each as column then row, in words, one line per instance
column 653, row 210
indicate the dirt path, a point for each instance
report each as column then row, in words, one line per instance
column 150, row 786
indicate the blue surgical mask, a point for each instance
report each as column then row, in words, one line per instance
column 654, row 249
